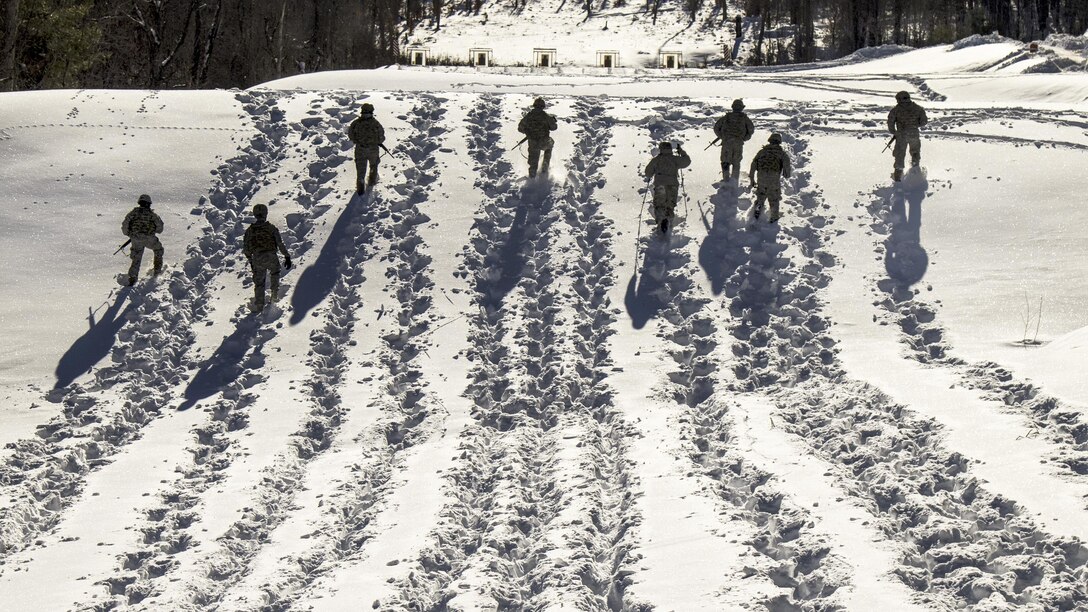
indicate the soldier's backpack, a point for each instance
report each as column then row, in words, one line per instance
column 263, row 237
column 768, row 159
column 731, row 126
column 142, row 222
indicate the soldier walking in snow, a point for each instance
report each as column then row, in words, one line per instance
column 734, row 129
column 140, row 225
column 768, row 167
column 259, row 245
column 903, row 122
column 369, row 138
column 664, row 170
column 537, row 126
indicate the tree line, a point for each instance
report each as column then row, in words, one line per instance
column 849, row 25
column 238, row 43
column 189, row 43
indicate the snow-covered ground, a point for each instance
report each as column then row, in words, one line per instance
column 481, row 393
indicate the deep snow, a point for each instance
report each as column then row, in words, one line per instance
column 481, row 393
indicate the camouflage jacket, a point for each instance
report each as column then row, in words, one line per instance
column 734, row 125
column 263, row 237
column 665, row 168
column 906, row 117
column 366, row 132
column 537, row 124
column 771, row 158
column 141, row 220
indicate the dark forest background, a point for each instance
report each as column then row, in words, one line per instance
column 239, row 43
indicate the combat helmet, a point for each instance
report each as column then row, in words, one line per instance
column 367, row 109
column 144, row 200
column 738, row 104
column 260, row 211
column 902, row 96
column 775, row 138
column 539, row 103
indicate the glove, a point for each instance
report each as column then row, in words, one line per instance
column 287, row 262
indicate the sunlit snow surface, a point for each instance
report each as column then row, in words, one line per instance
column 480, row 393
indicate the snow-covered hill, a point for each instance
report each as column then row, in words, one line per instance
column 481, row 393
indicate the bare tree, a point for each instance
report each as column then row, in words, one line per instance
column 9, row 27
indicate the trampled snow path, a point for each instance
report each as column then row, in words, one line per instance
column 233, row 376
column 368, row 226
column 632, row 435
column 45, row 476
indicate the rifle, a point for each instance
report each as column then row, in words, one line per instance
column 890, row 141
column 386, row 149
column 521, row 141
column 713, row 143
column 122, row 246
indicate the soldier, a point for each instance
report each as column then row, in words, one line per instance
column 140, row 225
column 664, row 169
column 369, row 137
column 260, row 244
column 537, row 127
column 903, row 122
column 768, row 167
column 734, row 129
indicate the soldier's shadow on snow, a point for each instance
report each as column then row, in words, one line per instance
column 506, row 265
column 317, row 281
column 648, row 291
column 228, row 364
column 905, row 260
column 96, row 342
column 723, row 251
column 741, row 258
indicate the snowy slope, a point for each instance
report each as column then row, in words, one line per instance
column 481, row 393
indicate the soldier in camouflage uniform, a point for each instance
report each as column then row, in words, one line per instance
column 664, row 170
column 368, row 136
column 768, row 168
column 260, row 244
column 734, row 129
column 903, row 122
column 537, row 126
column 140, row 225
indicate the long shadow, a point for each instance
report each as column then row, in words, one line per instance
column 96, row 343
column 317, row 281
column 506, row 265
column 649, row 291
column 739, row 258
column 722, row 251
column 905, row 260
column 225, row 366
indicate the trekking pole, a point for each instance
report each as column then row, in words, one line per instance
column 641, row 210
column 684, row 191
column 122, row 246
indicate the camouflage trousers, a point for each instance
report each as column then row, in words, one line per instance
column 899, row 149
column 262, row 263
column 768, row 187
column 139, row 243
column 366, row 158
column 664, row 201
column 732, row 151
column 536, row 147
